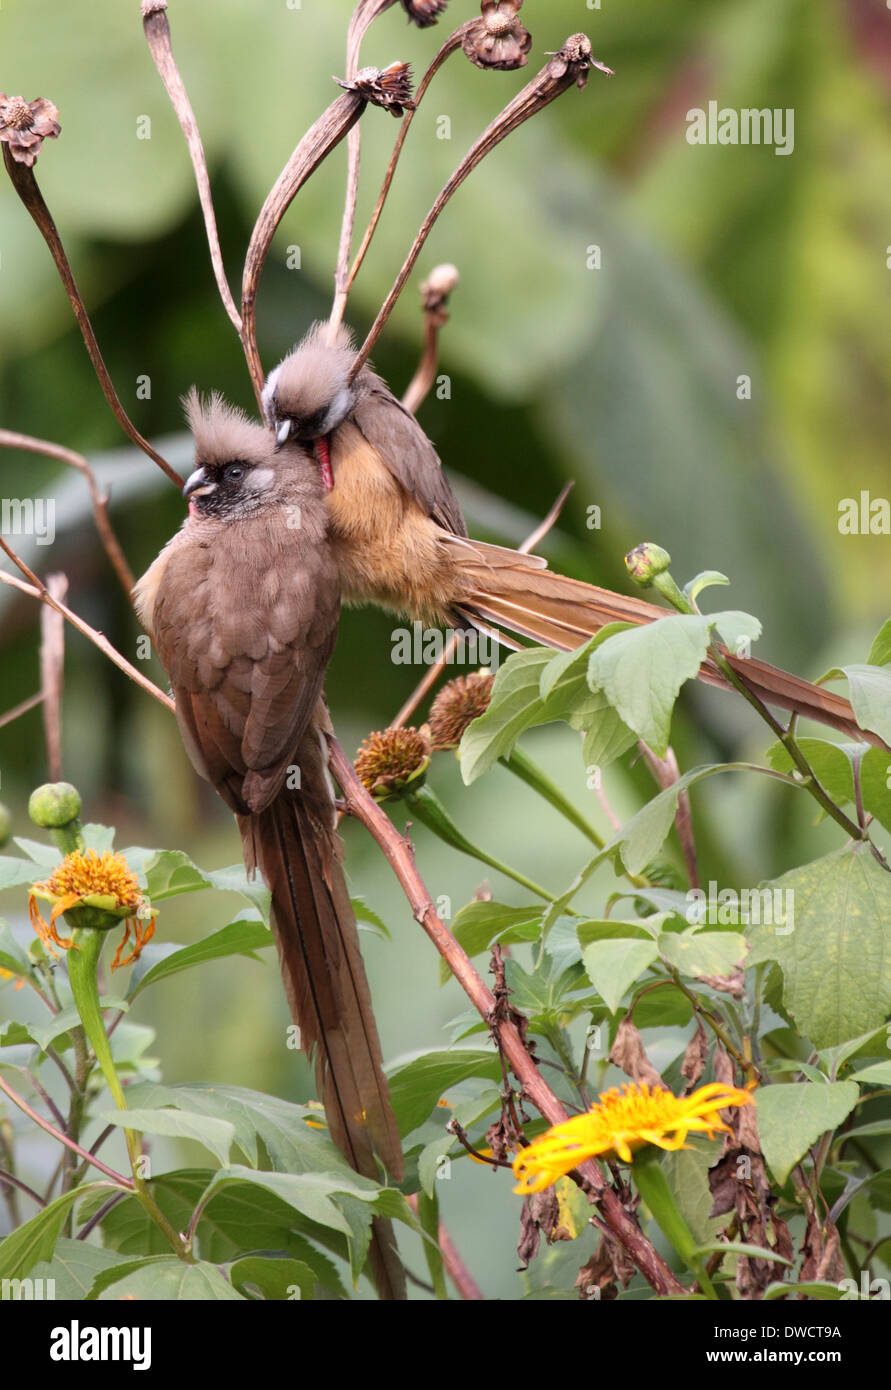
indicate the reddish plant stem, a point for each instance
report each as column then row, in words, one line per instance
column 399, row 855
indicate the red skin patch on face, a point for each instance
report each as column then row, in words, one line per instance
column 192, row 509
column 323, row 458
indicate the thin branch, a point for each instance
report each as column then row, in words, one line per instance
column 364, row 15
column 9, row 439
column 431, row 676
column 26, row 1109
column 157, row 33
column 23, row 708
column 52, row 669
column 399, row 855
column 317, row 143
column 565, row 69
column 100, row 1215
column 455, row 1267
column 435, row 293
column 25, row 185
column 36, row 589
column 13, row 1181
column 451, row 44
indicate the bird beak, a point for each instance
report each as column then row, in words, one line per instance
column 283, row 431
column 197, row 484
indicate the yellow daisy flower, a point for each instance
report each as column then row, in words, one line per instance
column 86, row 879
column 618, row 1124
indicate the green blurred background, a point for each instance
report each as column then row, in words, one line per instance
column 716, row 262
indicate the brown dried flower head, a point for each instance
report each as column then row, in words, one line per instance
column 436, row 289
column 497, row 39
column 457, row 705
column 576, row 58
column 424, row 13
column 388, row 87
column 390, row 760
column 24, row 125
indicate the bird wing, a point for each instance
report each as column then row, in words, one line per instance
column 245, row 633
column 396, row 435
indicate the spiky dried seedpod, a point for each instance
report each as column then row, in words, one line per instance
column 390, row 760
column 497, row 39
column 24, row 125
column 457, row 705
column 389, row 87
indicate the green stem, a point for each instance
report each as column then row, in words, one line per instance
column 430, row 811
column 83, row 962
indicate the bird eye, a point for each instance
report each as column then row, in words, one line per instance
column 234, row 472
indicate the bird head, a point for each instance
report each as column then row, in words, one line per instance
column 309, row 394
column 238, row 471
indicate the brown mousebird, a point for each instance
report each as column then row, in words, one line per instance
column 243, row 605
column 399, row 539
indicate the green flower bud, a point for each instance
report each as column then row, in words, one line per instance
column 54, row 804
column 645, row 561
column 5, row 824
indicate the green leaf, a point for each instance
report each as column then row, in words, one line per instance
column 74, row 1267
column 215, row 1135
column 98, row 837
column 613, row 966
column 827, row 1293
column 871, row 697
column 643, row 835
column 514, row 706
column 739, row 1247
column 880, row 651
column 833, row 764
column 36, row 1239
column 165, row 1279
column 416, row 1086
column 16, row 872
column 44, row 1034
column 479, row 924
column 47, row 856
column 704, row 580
column 12, row 957
column 698, row 953
column 242, row 937
column 366, row 914
column 641, row 670
column 292, row 1145
column 241, row 1218
column 793, row 1117
column 879, row 1074
column 836, row 960
column 277, row 1280
column 169, row 872
column 322, row 1197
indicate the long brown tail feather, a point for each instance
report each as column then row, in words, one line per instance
column 328, row 994
column 505, row 589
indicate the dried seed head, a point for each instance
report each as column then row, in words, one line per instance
column 24, row 125
column 388, row 87
column 457, row 705
column 576, row 58
column 150, row 7
column 438, row 286
column 497, row 39
column 424, row 13
column 390, row 760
